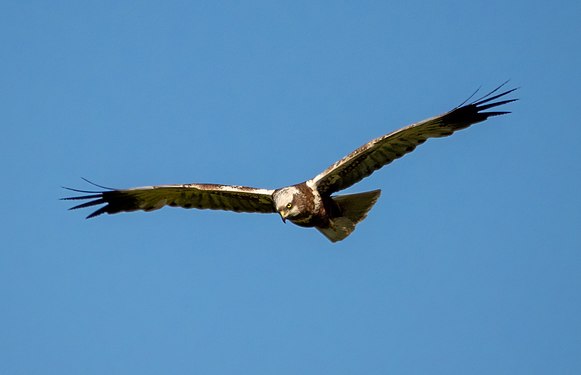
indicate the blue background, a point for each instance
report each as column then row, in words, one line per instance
column 469, row 263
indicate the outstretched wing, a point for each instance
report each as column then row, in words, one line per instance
column 202, row 196
column 383, row 150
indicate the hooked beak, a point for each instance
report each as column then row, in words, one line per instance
column 282, row 216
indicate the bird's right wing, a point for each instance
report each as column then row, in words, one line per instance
column 383, row 150
column 202, row 196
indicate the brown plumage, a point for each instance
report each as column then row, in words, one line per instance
column 310, row 203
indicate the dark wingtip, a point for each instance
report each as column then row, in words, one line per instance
column 97, row 185
column 497, row 113
column 89, row 204
column 488, row 97
column 488, row 101
column 82, row 197
column 98, row 212
column 495, row 104
column 80, row 191
column 96, row 198
column 475, row 111
column 86, row 191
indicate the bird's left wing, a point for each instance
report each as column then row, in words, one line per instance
column 202, row 196
column 383, row 150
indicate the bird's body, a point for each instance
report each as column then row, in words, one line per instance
column 310, row 203
column 335, row 217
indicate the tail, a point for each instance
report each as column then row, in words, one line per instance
column 353, row 208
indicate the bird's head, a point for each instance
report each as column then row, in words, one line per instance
column 288, row 203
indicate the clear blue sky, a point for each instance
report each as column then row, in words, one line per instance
column 470, row 263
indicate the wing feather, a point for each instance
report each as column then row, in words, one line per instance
column 201, row 196
column 383, row 150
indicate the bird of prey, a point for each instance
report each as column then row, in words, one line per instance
column 310, row 203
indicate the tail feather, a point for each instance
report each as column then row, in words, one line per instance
column 353, row 208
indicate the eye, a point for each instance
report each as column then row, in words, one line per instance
column 289, row 205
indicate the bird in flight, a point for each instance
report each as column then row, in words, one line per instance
column 310, row 203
